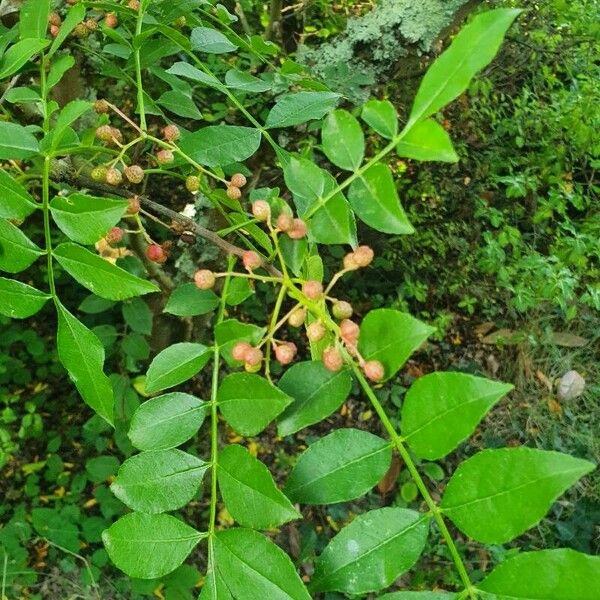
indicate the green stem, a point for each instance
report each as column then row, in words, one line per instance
column 405, row 455
column 138, row 70
column 273, row 324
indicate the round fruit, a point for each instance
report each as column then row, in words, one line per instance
column 204, row 279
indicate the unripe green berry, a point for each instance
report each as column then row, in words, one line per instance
column 192, row 183
column 342, row 309
column 91, row 24
column 297, row 318
column 101, row 106
column 204, row 279
column 134, row 173
column 99, row 173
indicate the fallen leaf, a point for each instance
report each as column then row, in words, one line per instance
column 571, row 385
column 568, row 340
column 554, row 406
column 544, row 379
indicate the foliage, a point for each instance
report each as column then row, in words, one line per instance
column 73, row 208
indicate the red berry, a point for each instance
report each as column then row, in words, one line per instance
column 297, row 318
column 204, row 279
column 240, row 350
column 374, row 370
column 313, row 290
column 110, row 20
column 251, row 260
column 315, row 331
column 115, row 235
column 164, row 157
column 332, row 359
column 285, row 222
column 349, row 331
column 253, row 357
column 156, row 253
column 233, row 192
column 134, row 173
column 134, row 205
column 342, row 309
column 363, row 256
column 284, row 353
column 192, row 183
column 238, row 180
column 298, row 229
column 114, row 176
column 261, row 210
column 171, row 133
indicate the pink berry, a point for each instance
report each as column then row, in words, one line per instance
column 110, row 20
column 315, row 331
column 133, row 205
column 204, row 279
column 332, row 359
column 156, row 253
column 164, row 157
column 240, row 350
column 349, row 331
column 251, row 260
column 285, row 222
column 374, row 370
column 297, row 318
column 171, row 133
column 253, row 357
column 363, row 256
column 54, row 30
column 238, row 180
column 298, row 229
column 350, row 262
column 115, row 235
column 313, row 290
column 234, row 193
column 261, row 210
column 342, row 309
column 284, row 353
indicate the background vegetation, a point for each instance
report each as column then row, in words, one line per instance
column 505, row 263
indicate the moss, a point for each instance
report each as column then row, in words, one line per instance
column 373, row 44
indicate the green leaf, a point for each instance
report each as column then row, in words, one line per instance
column 472, row 49
column 17, row 55
column 149, row 546
column 82, row 355
column 58, row 68
column 17, row 251
column 418, row 596
column 249, row 402
column 231, row 331
column 341, row 466
column 317, row 392
column 98, row 275
column 75, row 15
column 166, row 421
column 381, row 116
column 33, row 19
column 183, row 69
column 22, row 95
column 427, row 140
column 372, row 552
column 306, row 181
column 86, row 219
column 16, row 203
column 176, row 364
column 249, row 492
column 211, row 41
column 239, row 80
column 391, row 336
column 138, row 316
column 159, row 481
column 221, row 145
column 56, row 527
column 238, row 291
column 300, row 107
column 374, row 199
column 441, row 410
column 19, row 300
column 561, row 574
column 180, row 104
column 67, row 116
column 188, row 301
column 16, row 142
column 251, row 567
column 343, row 140
column 496, row 495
